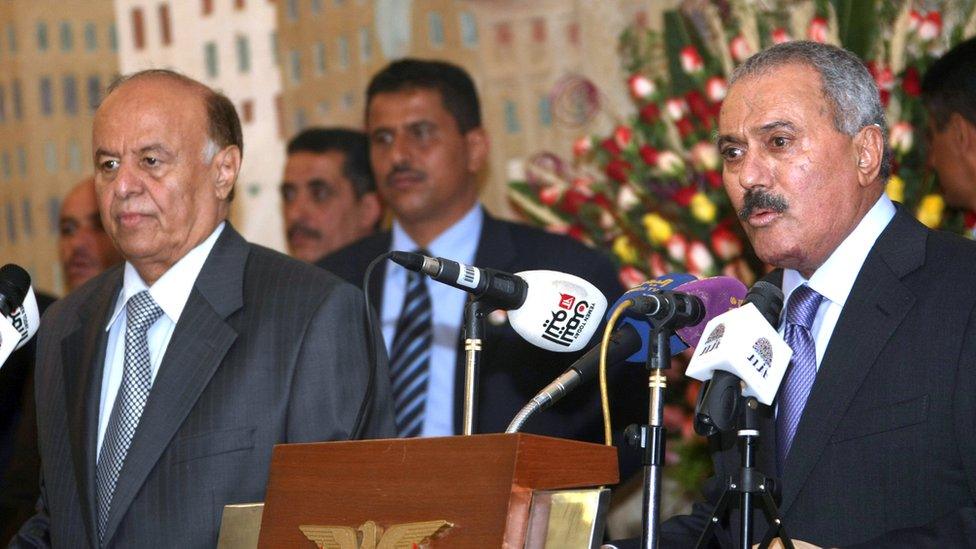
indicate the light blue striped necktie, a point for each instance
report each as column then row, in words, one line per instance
column 800, row 314
column 410, row 356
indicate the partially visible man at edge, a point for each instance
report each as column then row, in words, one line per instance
column 84, row 251
column 328, row 196
column 871, row 440
column 949, row 95
column 167, row 381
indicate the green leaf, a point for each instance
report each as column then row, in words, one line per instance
column 858, row 22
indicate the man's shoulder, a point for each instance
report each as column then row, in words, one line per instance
column 350, row 261
column 286, row 275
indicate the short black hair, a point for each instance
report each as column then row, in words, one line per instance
column 351, row 143
column 458, row 93
column 950, row 84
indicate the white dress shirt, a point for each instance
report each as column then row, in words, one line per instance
column 458, row 243
column 170, row 292
column 834, row 279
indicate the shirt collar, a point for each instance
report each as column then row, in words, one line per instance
column 835, row 278
column 172, row 290
column 456, row 243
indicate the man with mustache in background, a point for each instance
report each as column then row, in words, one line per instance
column 328, row 197
column 427, row 149
column 870, row 441
column 84, row 248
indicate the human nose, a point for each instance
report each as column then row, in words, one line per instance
column 752, row 171
column 126, row 182
column 400, row 149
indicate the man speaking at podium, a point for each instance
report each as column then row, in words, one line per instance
column 162, row 385
column 872, row 437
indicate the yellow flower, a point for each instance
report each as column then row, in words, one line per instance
column 702, row 208
column 896, row 188
column 930, row 210
column 625, row 250
column 658, row 229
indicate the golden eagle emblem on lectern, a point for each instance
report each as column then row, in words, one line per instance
column 370, row 536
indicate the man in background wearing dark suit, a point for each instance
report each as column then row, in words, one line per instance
column 427, row 148
column 872, row 434
column 167, row 381
column 328, row 196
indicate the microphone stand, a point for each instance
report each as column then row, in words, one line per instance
column 748, row 482
column 650, row 438
column 475, row 312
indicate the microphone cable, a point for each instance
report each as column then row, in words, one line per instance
column 360, row 422
column 604, row 345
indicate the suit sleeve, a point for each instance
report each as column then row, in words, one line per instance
column 958, row 528
column 35, row 532
column 333, row 371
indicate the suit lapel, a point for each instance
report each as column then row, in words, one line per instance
column 200, row 340
column 877, row 304
column 83, row 361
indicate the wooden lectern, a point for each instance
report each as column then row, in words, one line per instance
column 481, row 485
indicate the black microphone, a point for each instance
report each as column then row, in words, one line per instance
column 718, row 401
column 14, row 285
column 681, row 308
column 503, row 290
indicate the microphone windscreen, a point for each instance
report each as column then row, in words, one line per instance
column 14, row 284
column 744, row 344
column 561, row 311
column 718, row 295
column 26, row 319
column 640, row 322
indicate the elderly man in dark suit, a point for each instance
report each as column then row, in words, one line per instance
column 872, row 434
column 163, row 384
column 427, row 149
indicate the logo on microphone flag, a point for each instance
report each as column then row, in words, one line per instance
column 566, row 301
column 9, row 338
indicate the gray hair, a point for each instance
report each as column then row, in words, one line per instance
column 846, row 84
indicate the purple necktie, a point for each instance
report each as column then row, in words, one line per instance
column 801, row 310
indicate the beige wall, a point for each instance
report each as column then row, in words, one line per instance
column 46, row 153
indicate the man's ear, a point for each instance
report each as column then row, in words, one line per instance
column 869, row 149
column 228, row 164
column 478, row 148
column 962, row 132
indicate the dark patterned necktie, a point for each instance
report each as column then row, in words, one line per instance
column 410, row 356
column 800, row 314
column 141, row 312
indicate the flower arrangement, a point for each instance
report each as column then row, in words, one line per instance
column 650, row 191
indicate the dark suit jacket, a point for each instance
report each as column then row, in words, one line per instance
column 512, row 370
column 268, row 350
column 19, row 462
column 885, row 453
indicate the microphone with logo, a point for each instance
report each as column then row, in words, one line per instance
column 629, row 341
column 19, row 316
column 742, row 359
column 555, row 311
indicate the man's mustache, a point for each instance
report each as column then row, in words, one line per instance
column 298, row 228
column 403, row 169
column 758, row 199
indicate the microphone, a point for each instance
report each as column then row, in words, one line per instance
column 556, row 311
column 19, row 316
column 629, row 341
column 500, row 289
column 742, row 354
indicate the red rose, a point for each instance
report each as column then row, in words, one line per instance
column 631, row 276
column 683, row 196
column 618, row 170
column 697, row 105
column 685, row 127
column 577, row 232
column 714, row 179
column 623, row 135
column 572, row 200
column 911, row 83
column 650, row 113
column 549, row 195
column 602, row 201
column 610, row 146
column 885, row 97
column 649, row 154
